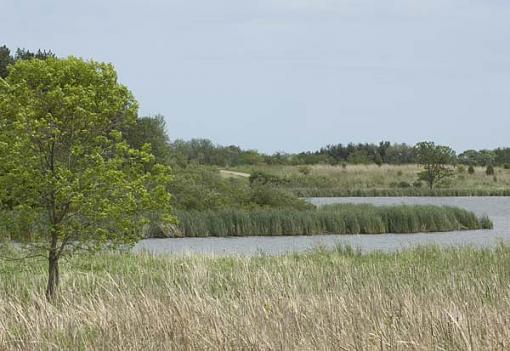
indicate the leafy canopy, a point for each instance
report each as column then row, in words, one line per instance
column 67, row 177
column 435, row 160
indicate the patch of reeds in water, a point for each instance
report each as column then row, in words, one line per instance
column 332, row 219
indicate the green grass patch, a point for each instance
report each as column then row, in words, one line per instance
column 332, row 219
column 393, row 192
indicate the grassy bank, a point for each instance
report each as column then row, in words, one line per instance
column 423, row 299
column 378, row 192
column 334, row 219
column 386, row 180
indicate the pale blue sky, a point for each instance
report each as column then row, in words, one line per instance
column 294, row 75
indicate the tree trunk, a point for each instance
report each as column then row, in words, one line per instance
column 431, row 180
column 53, row 277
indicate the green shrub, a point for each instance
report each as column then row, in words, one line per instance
column 489, row 170
column 461, row 169
column 261, row 178
column 269, row 196
column 305, row 170
column 506, row 166
column 418, row 184
column 404, row 184
column 471, row 170
column 445, row 183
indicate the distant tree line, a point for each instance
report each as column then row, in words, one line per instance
column 205, row 152
column 6, row 58
column 152, row 130
column 497, row 157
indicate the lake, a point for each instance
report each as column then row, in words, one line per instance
column 497, row 208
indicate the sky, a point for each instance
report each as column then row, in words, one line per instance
column 294, row 75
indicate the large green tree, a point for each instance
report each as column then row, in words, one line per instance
column 67, row 174
column 436, row 161
column 5, row 60
column 151, row 130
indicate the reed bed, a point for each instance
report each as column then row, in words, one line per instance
column 421, row 299
column 332, row 219
column 382, row 192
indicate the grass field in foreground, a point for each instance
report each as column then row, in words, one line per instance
column 331, row 219
column 421, row 299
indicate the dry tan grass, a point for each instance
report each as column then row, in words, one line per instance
column 232, row 174
column 427, row 299
column 382, row 176
column 386, row 177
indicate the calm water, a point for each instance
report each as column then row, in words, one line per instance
column 497, row 208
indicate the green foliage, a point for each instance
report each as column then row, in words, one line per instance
column 64, row 163
column 262, row 178
column 435, row 160
column 333, row 219
column 305, row 170
column 205, row 152
column 5, row 60
column 471, row 170
column 359, row 157
column 489, row 170
column 417, row 184
column 378, row 159
column 201, row 188
column 273, row 197
column 478, row 158
column 152, row 131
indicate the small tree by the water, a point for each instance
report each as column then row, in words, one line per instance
column 66, row 171
column 436, row 161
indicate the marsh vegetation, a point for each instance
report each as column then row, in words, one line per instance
column 385, row 180
column 331, row 219
column 421, row 299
